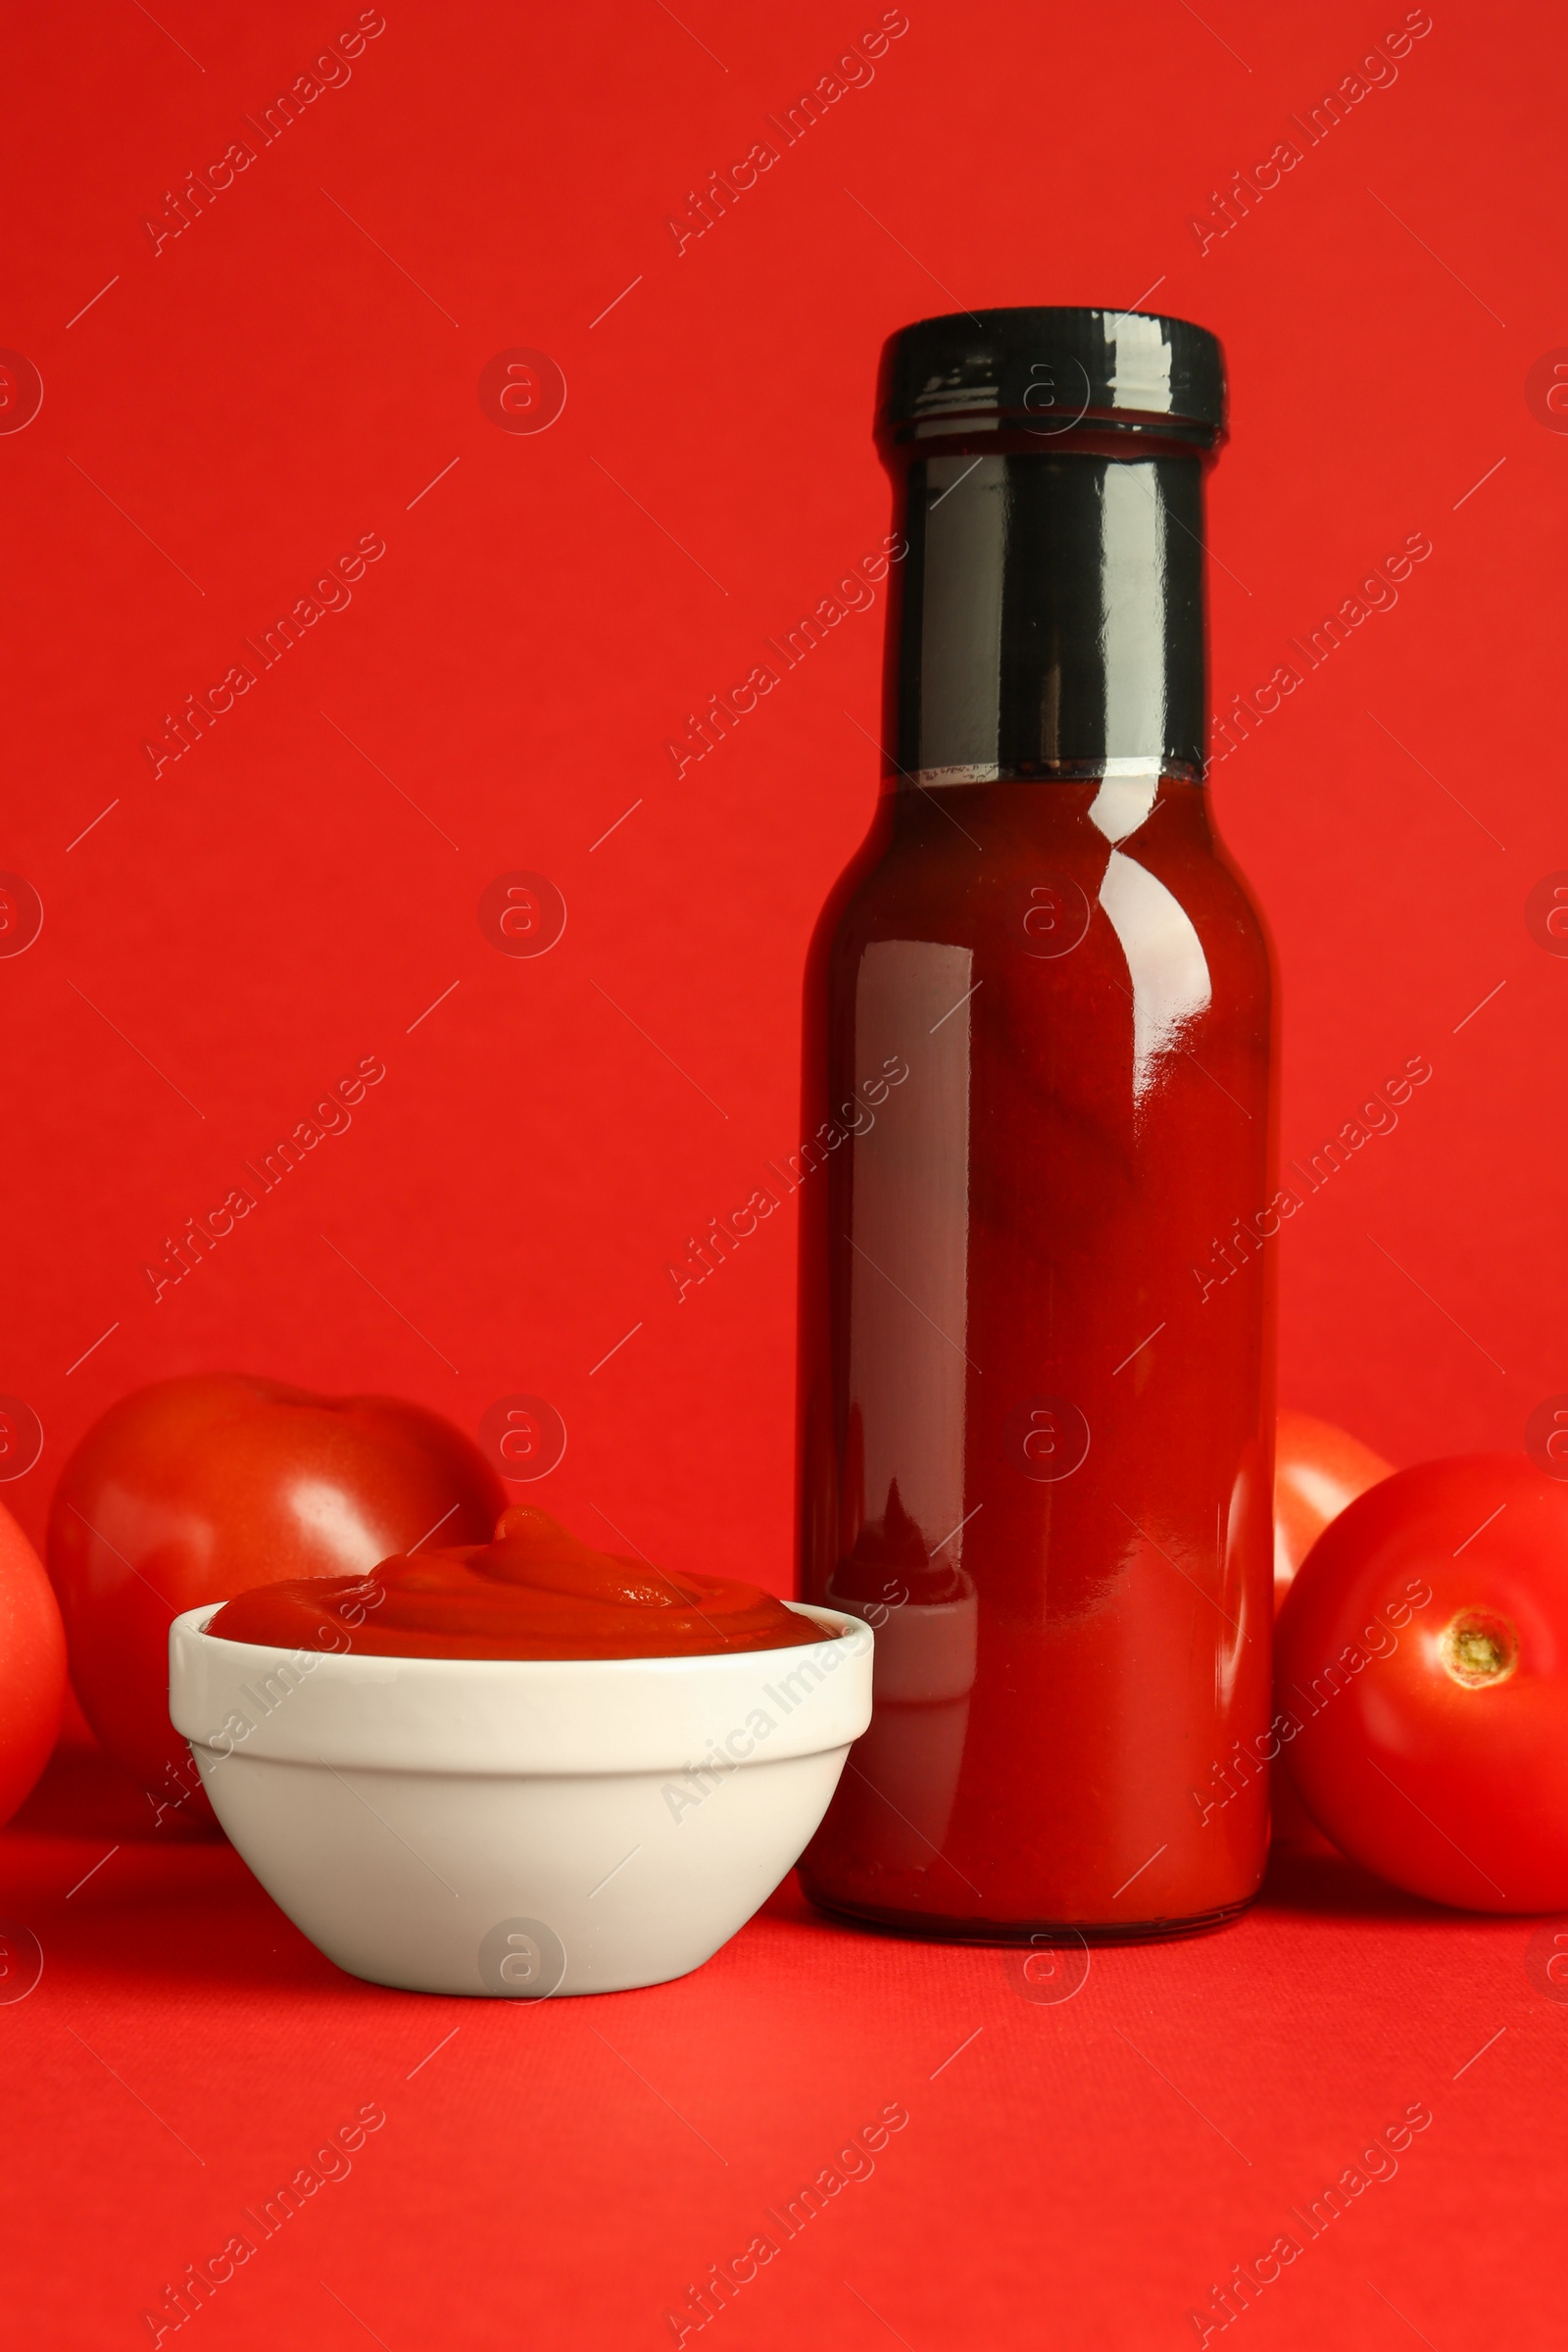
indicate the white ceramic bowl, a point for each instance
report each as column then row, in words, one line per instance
column 519, row 1827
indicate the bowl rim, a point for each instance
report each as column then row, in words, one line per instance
column 191, row 1626
column 552, row 1716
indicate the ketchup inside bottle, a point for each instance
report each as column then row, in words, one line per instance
column 1036, row 1331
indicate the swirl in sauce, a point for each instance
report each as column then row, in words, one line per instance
column 533, row 1592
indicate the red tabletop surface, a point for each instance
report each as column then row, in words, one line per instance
column 1077, row 2172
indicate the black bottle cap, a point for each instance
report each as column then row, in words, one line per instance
column 1048, row 370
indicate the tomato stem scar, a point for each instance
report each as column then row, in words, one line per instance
column 1479, row 1651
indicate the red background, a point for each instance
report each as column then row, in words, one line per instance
column 295, row 371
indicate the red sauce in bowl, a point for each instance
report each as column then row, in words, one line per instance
column 534, row 1592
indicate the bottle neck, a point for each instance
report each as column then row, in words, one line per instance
column 1051, row 617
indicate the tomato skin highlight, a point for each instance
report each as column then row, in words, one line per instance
column 1423, row 1649
column 196, row 1488
column 32, row 1666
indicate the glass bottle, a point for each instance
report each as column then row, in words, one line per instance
column 1036, row 1372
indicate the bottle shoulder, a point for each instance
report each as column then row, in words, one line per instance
column 967, row 866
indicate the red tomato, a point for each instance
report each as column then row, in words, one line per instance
column 1423, row 1650
column 1317, row 1470
column 32, row 1666
column 198, row 1489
